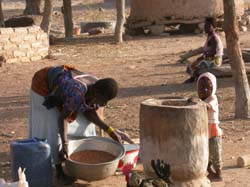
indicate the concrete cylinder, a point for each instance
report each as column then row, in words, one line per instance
column 176, row 131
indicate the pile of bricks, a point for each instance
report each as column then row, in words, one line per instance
column 23, row 44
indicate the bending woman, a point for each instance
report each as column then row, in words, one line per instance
column 63, row 95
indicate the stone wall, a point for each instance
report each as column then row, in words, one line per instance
column 23, row 44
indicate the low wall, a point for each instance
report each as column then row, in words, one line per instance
column 23, row 44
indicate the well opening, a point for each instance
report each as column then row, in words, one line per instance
column 177, row 103
column 170, row 102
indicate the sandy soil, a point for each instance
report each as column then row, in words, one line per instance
column 145, row 67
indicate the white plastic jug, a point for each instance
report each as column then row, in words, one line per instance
column 21, row 183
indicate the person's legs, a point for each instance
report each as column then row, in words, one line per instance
column 61, row 177
column 215, row 148
column 211, row 173
column 191, row 70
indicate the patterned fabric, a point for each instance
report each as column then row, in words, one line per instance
column 210, row 63
column 204, row 64
column 72, row 93
column 43, row 123
column 215, row 149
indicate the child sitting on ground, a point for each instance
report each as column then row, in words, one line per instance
column 206, row 88
column 212, row 54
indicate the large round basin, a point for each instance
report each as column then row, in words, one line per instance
column 95, row 171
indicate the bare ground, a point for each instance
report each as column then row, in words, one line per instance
column 144, row 67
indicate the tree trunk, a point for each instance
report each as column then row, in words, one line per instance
column 1, row 15
column 68, row 23
column 47, row 16
column 242, row 102
column 32, row 7
column 170, row 126
column 120, row 9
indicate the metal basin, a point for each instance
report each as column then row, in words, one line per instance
column 94, row 172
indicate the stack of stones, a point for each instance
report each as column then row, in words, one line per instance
column 244, row 22
column 23, row 44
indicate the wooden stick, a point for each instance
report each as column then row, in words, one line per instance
column 243, row 161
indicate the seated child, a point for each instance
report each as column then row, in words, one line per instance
column 213, row 51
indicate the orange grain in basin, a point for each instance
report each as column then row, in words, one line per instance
column 92, row 157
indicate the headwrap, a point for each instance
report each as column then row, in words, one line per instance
column 212, row 78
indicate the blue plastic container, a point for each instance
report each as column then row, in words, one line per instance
column 34, row 155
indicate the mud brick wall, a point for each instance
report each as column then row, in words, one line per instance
column 157, row 10
column 23, row 44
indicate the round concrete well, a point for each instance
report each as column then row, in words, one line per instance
column 175, row 130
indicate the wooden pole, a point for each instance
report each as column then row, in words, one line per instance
column 242, row 103
column 68, row 23
column 120, row 9
column 47, row 16
column 1, row 15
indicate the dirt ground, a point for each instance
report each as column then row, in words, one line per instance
column 145, row 67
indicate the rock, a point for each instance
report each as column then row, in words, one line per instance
column 198, row 31
column 243, row 161
column 52, row 39
column 6, row 135
column 201, row 26
column 101, row 9
column 127, row 37
column 19, row 22
column 2, row 61
column 165, row 34
column 4, row 164
column 95, row 31
column 86, row 26
column 247, row 18
column 243, row 28
column 156, row 29
column 243, row 22
column 56, row 13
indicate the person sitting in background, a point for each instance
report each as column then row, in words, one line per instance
column 63, row 95
column 213, row 51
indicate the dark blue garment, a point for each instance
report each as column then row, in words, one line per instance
column 71, row 92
